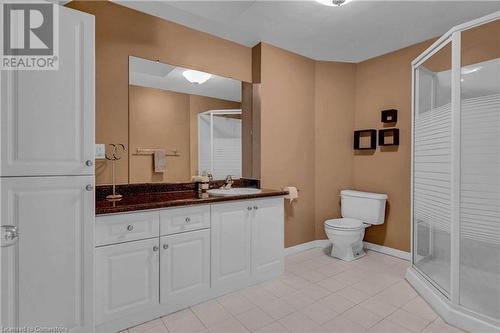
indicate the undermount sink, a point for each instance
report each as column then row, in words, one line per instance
column 219, row 192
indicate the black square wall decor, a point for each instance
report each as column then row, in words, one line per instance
column 390, row 116
column 388, row 137
column 365, row 139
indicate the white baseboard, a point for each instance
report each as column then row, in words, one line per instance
column 370, row 246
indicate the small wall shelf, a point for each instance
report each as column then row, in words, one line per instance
column 389, row 116
column 385, row 135
column 359, row 134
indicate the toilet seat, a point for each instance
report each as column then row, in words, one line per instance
column 344, row 223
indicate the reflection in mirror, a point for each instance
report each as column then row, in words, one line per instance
column 182, row 123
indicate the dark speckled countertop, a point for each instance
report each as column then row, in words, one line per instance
column 153, row 196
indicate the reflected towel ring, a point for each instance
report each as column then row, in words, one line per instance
column 114, row 155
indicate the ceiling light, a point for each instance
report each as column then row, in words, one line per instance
column 466, row 71
column 334, row 3
column 196, row 77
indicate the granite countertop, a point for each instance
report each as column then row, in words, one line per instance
column 154, row 200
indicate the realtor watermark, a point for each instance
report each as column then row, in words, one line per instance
column 33, row 329
column 30, row 35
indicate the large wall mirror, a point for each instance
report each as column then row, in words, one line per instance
column 198, row 120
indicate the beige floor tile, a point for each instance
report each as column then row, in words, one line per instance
column 337, row 303
column 275, row 327
column 230, row 325
column 354, row 295
column 350, row 276
column 435, row 328
column 378, row 307
column 331, row 269
column 333, row 284
column 235, row 303
column 310, row 275
column 254, row 319
column 362, row 316
column 294, row 281
column 278, row 308
column 298, row 299
column 277, row 287
column 211, row 313
column 183, row 321
column 298, row 322
column 387, row 326
column 315, row 291
column 258, row 295
column 399, row 294
column 319, row 313
column 343, row 325
column 408, row 320
column 146, row 326
column 420, row 308
column 375, row 283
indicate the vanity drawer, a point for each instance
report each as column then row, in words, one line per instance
column 126, row 227
column 176, row 220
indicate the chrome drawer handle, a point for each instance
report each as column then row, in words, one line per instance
column 155, row 248
column 89, row 187
column 165, row 246
column 188, row 219
column 255, row 207
column 130, row 227
column 89, row 163
column 249, row 208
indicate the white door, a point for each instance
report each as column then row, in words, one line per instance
column 185, row 268
column 231, row 234
column 47, row 276
column 267, row 238
column 127, row 279
column 47, row 117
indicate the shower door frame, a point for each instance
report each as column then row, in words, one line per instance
column 448, row 306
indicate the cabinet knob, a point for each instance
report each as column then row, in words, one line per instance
column 130, row 227
column 155, row 248
column 165, row 246
column 255, row 207
column 249, row 208
column 89, row 163
column 188, row 219
column 89, row 187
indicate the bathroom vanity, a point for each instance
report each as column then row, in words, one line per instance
column 152, row 262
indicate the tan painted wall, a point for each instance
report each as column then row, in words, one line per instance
column 287, row 135
column 382, row 83
column 168, row 120
column 335, row 85
column 121, row 32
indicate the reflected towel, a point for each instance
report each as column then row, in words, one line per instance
column 160, row 160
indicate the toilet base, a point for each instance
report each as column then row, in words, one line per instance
column 348, row 253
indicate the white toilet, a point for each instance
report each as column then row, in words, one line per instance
column 359, row 211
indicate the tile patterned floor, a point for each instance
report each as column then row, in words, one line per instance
column 317, row 293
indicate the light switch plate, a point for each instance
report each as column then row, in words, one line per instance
column 100, row 151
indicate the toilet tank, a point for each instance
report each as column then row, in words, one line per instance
column 365, row 206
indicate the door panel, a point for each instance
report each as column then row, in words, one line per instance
column 127, row 279
column 47, row 117
column 185, row 267
column 231, row 234
column 267, row 238
column 52, row 262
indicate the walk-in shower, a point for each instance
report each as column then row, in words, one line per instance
column 219, row 143
column 456, row 175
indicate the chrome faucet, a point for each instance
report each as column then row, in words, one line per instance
column 228, row 182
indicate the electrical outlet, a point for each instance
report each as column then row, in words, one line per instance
column 100, row 151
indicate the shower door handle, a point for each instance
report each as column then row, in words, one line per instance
column 9, row 235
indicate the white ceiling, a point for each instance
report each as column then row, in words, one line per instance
column 152, row 74
column 357, row 31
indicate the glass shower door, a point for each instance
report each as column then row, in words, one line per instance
column 432, row 168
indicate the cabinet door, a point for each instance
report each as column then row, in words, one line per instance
column 126, row 279
column 47, row 276
column 267, row 238
column 184, row 268
column 47, row 117
column 231, row 234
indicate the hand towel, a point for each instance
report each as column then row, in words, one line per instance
column 160, row 160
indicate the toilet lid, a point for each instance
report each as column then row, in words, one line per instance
column 344, row 223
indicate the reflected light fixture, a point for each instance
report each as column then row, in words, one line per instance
column 196, row 77
column 333, row 3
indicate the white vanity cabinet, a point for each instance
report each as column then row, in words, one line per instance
column 127, row 279
column 184, row 268
column 188, row 255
